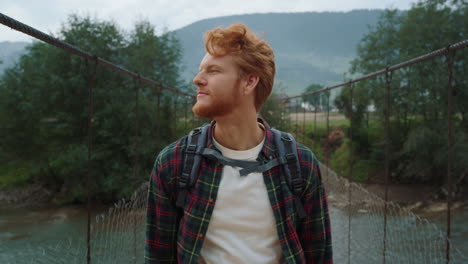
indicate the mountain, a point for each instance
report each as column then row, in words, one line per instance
column 10, row 51
column 309, row 47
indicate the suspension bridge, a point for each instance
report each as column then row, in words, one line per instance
column 366, row 228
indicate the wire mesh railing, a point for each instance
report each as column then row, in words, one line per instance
column 384, row 127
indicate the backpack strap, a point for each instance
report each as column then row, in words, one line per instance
column 287, row 156
column 248, row 166
column 196, row 142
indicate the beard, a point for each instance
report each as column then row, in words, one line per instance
column 215, row 108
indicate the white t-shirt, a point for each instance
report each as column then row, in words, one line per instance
column 242, row 228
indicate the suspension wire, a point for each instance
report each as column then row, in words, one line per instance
column 315, row 117
column 297, row 117
column 289, row 114
column 367, row 117
column 327, row 147
column 192, row 121
column 450, row 56
column 443, row 51
column 135, row 166
column 388, row 80
column 158, row 115
column 303, row 120
column 91, row 84
column 185, row 116
column 351, row 161
column 175, row 115
column 16, row 25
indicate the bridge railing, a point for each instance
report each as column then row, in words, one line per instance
column 401, row 132
column 353, row 144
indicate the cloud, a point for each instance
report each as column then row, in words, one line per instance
column 48, row 16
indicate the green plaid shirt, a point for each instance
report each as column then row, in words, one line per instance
column 173, row 236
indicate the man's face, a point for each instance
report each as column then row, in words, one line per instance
column 218, row 87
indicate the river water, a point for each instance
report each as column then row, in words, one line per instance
column 40, row 235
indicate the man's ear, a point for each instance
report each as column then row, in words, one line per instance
column 250, row 82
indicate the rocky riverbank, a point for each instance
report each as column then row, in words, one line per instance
column 418, row 198
column 30, row 195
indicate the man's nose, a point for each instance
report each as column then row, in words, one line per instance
column 198, row 80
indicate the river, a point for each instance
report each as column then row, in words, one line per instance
column 40, row 235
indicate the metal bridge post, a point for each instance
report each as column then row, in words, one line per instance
column 450, row 55
column 351, row 161
column 135, row 168
column 388, row 80
column 91, row 83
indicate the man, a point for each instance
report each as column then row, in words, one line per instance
column 226, row 217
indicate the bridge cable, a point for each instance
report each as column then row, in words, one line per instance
column 428, row 56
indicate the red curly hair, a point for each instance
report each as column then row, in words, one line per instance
column 253, row 55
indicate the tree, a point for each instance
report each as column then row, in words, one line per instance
column 317, row 100
column 44, row 107
column 273, row 111
column 418, row 93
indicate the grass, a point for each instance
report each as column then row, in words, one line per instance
column 15, row 173
column 316, row 131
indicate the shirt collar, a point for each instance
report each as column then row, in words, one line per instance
column 268, row 150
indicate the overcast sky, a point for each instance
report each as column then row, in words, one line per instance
column 48, row 15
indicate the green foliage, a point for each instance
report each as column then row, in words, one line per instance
column 317, row 133
column 424, row 155
column 418, row 94
column 15, row 173
column 44, row 108
column 319, row 101
column 273, row 111
column 343, row 159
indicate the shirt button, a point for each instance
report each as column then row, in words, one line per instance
column 271, row 157
column 210, row 200
column 200, row 235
